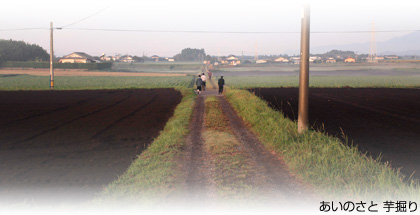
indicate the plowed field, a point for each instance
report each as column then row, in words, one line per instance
column 379, row 121
column 65, row 146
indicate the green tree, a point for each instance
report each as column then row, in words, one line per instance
column 336, row 53
column 11, row 50
column 138, row 59
column 190, row 54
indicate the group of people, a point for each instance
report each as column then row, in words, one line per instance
column 201, row 83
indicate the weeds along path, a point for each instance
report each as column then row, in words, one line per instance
column 271, row 174
column 226, row 162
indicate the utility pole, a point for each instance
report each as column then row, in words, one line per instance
column 51, row 57
column 256, row 51
column 372, row 50
column 304, row 72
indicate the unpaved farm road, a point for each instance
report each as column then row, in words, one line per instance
column 270, row 176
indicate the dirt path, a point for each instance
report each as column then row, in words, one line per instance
column 269, row 175
column 272, row 174
column 199, row 177
column 200, row 183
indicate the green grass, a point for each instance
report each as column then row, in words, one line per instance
column 158, row 67
column 27, row 82
column 155, row 175
column 344, row 67
column 330, row 166
column 336, row 81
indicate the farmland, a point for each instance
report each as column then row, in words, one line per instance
column 156, row 174
column 375, row 122
column 28, row 82
column 381, row 122
column 64, row 146
column 158, row 67
column 342, row 75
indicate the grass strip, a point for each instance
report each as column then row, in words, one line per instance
column 232, row 169
column 334, row 169
column 155, row 175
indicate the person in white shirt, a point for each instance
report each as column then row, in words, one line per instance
column 203, row 78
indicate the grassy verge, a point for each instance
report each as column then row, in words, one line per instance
column 232, row 168
column 331, row 167
column 154, row 175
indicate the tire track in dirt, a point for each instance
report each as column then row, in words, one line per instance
column 72, row 120
column 271, row 173
column 199, row 171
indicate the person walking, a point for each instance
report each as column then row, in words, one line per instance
column 199, row 82
column 203, row 79
column 221, row 83
column 210, row 74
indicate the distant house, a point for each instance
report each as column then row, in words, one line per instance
column 127, row 59
column 314, row 58
column 77, row 57
column 171, row 59
column 281, row 60
column 260, row 61
column 233, row 60
column 155, row 58
column 223, row 60
column 295, row 60
column 391, row 57
column 331, row 60
column 350, row 60
column 116, row 58
column 105, row 58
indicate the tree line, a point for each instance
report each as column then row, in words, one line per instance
column 11, row 50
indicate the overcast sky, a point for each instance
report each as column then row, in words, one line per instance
column 198, row 15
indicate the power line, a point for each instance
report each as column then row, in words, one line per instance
column 82, row 19
column 233, row 32
column 181, row 31
column 202, row 32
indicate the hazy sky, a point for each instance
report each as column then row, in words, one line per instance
column 198, row 15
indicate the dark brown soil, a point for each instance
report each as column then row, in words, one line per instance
column 65, row 146
column 379, row 121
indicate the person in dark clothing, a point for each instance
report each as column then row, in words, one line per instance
column 198, row 82
column 221, row 83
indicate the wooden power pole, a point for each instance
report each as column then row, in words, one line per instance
column 304, row 72
column 51, row 57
